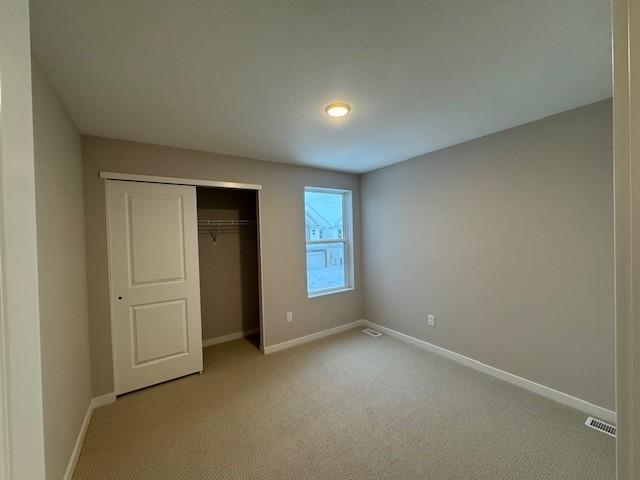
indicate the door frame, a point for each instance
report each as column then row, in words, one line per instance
column 22, row 453
column 133, row 177
column 626, row 121
column 106, row 175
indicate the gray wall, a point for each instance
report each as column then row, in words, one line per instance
column 229, row 268
column 283, row 240
column 64, row 326
column 508, row 240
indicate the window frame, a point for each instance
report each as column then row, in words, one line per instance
column 347, row 241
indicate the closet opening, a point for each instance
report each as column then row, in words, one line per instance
column 229, row 261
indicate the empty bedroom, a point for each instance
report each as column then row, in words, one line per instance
column 318, row 240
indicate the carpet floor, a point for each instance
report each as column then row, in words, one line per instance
column 348, row 406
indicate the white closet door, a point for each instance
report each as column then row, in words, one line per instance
column 155, row 285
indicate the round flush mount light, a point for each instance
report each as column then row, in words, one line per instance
column 337, row 109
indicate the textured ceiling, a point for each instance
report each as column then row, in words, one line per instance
column 252, row 77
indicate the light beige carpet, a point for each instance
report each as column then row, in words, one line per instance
column 345, row 407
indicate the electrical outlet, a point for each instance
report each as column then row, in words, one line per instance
column 289, row 316
column 431, row 320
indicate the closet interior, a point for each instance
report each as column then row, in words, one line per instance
column 229, row 264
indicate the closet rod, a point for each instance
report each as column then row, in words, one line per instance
column 217, row 227
column 221, row 223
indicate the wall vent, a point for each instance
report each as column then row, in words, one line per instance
column 601, row 426
column 371, row 332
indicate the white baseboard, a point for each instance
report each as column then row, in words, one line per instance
column 228, row 338
column 103, row 400
column 548, row 392
column 310, row 338
column 75, row 453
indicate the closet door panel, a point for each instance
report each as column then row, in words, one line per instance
column 155, row 286
column 159, row 331
column 156, row 231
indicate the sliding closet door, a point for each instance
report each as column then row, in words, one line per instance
column 155, row 286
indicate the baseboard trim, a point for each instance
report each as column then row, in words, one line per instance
column 230, row 337
column 102, row 400
column 547, row 392
column 77, row 448
column 75, row 453
column 310, row 338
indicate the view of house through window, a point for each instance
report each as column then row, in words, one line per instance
column 327, row 225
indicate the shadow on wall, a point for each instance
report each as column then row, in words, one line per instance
column 229, row 266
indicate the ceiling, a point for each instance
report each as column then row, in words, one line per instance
column 251, row 77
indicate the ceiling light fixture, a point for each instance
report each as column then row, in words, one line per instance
column 337, row 109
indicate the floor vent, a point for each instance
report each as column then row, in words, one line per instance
column 601, row 426
column 371, row 332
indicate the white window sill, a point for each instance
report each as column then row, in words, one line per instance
column 330, row 292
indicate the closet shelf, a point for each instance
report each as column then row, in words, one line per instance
column 225, row 223
column 217, row 227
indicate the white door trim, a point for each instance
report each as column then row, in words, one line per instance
column 22, row 435
column 262, row 331
column 626, row 120
column 177, row 181
column 5, row 437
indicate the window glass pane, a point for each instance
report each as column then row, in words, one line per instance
column 325, row 266
column 323, row 216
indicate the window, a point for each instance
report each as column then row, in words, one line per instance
column 328, row 234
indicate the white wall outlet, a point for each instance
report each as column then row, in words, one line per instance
column 431, row 320
column 289, row 316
